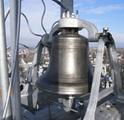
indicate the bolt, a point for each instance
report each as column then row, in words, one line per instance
column 68, row 14
column 81, row 103
column 73, row 15
column 63, row 15
column 105, row 30
column 107, row 106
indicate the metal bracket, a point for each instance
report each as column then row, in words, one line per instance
column 112, row 52
column 71, row 21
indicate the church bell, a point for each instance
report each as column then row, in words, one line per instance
column 67, row 73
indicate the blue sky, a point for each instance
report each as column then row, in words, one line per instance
column 102, row 13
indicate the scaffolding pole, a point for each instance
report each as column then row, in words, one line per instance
column 15, row 11
column 3, row 64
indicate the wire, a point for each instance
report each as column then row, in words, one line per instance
column 24, row 45
column 7, row 13
column 54, row 24
column 60, row 4
column 29, row 27
column 26, row 19
column 42, row 18
column 21, row 44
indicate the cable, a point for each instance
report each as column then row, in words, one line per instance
column 60, row 4
column 54, row 24
column 24, row 45
column 42, row 18
column 7, row 13
column 26, row 19
column 21, row 44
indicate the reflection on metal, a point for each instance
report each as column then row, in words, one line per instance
column 67, row 73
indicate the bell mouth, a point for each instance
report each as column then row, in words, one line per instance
column 62, row 88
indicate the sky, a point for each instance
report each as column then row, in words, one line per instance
column 103, row 13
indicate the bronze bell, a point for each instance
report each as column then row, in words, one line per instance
column 67, row 73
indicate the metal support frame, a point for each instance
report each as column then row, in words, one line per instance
column 15, row 7
column 90, row 112
column 3, row 63
column 27, row 93
column 72, row 22
column 117, row 88
column 68, row 4
column 112, row 53
column 15, row 12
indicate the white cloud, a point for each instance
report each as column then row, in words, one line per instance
column 104, row 9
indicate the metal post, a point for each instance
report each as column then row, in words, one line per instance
column 3, row 63
column 94, row 95
column 15, row 10
column 68, row 4
column 116, row 72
